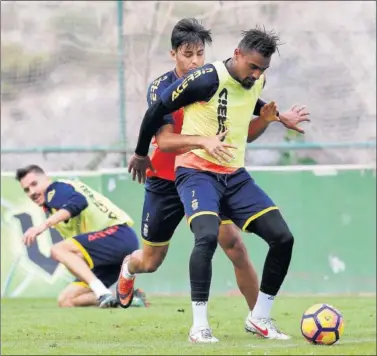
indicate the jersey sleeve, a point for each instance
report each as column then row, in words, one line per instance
column 198, row 85
column 61, row 195
column 154, row 92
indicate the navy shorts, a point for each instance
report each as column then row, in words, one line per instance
column 236, row 195
column 105, row 250
column 162, row 211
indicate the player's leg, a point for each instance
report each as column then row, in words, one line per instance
column 272, row 228
column 253, row 211
column 107, row 249
column 77, row 294
column 200, row 193
column 162, row 213
column 72, row 254
column 231, row 242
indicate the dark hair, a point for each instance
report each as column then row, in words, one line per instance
column 189, row 31
column 264, row 42
column 22, row 172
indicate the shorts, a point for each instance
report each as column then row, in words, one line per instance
column 162, row 212
column 236, row 195
column 105, row 250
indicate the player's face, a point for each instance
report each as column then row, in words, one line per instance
column 188, row 57
column 34, row 185
column 250, row 65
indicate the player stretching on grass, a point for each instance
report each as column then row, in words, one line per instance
column 98, row 235
column 154, row 120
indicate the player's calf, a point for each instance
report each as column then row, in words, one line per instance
column 231, row 242
column 205, row 229
column 147, row 260
column 274, row 230
column 67, row 253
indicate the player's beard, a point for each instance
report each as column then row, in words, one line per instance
column 248, row 83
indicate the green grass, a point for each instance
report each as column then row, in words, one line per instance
column 38, row 326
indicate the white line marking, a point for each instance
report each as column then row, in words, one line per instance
column 315, row 168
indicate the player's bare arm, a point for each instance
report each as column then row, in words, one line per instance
column 32, row 233
column 58, row 196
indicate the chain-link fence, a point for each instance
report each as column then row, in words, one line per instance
column 61, row 87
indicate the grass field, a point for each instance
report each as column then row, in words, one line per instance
column 37, row 326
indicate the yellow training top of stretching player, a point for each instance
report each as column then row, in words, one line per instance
column 94, row 213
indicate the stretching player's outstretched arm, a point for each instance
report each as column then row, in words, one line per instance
column 68, row 203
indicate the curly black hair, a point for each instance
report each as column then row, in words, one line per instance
column 260, row 40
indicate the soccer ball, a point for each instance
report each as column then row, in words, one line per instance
column 322, row 324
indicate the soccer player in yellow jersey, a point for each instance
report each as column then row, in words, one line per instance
column 97, row 235
column 220, row 98
column 163, row 209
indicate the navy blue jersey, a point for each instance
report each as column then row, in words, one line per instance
column 61, row 195
column 157, row 87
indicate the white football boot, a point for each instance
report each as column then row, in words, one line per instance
column 264, row 328
column 202, row 335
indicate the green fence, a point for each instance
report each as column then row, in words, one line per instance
column 332, row 213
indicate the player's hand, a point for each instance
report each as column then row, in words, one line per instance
column 218, row 149
column 268, row 112
column 31, row 234
column 138, row 166
column 297, row 114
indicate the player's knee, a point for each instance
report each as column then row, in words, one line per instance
column 238, row 248
column 282, row 238
column 229, row 237
column 236, row 251
column 274, row 230
column 206, row 230
column 65, row 301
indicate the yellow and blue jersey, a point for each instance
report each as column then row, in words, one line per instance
column 213, row 101
column 90, row 210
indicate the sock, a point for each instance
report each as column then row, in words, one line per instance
column 263, row 306
column 125, row 273
column 99, row 288
column 199, row 310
